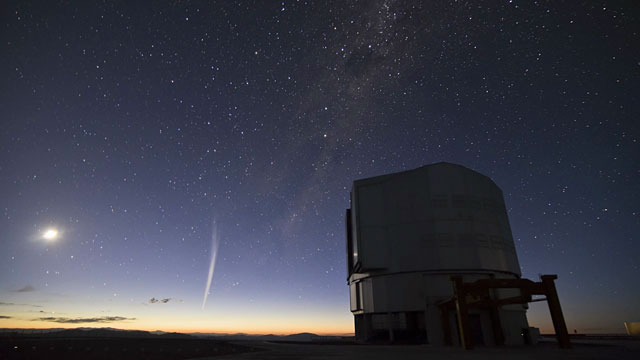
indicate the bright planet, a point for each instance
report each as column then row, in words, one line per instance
column 50, row 234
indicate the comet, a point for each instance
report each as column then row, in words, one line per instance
column 214, row 252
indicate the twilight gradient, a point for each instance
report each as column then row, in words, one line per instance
column 128, row 127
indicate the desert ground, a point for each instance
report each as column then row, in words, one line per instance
column 587, row 349
column 110, row 344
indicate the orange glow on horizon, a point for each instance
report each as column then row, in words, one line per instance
column 257, row 329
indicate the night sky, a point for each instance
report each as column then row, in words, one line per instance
column 148, row 134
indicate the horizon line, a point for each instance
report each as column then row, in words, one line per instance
column 186, row 332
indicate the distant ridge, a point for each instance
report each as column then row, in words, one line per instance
column 300, row 337
column 95, row 332
column 120, row 333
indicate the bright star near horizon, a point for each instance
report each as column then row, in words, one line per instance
column 50, row 234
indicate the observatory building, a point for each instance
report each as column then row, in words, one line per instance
column 409, row 235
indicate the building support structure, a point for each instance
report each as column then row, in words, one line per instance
column 478, row 294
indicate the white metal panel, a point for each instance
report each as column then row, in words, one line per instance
column 463, row 213
column 374, row 248
column 371, row 209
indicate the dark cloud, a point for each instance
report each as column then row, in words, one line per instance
column 27, row 288
column 5, row 317
column 14, row 304
column 162, row 301
column 102, row 319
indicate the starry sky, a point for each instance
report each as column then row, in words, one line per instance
column 149, row 134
